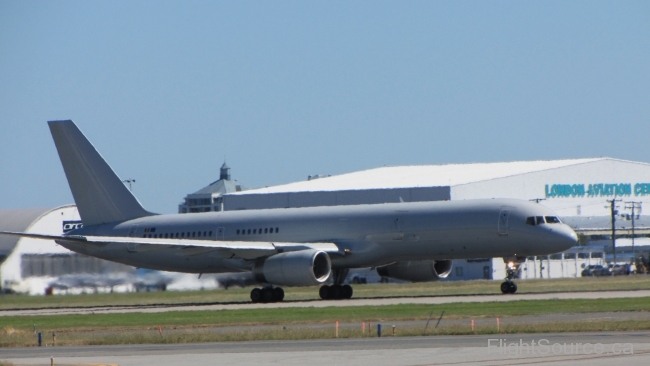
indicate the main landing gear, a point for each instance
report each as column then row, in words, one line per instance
column 338, row 290
column 335, row 292
column 267, row 294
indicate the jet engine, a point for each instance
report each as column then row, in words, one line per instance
column 300, row 268
column 416, row 271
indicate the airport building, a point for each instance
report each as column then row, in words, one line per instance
column 30, row 265
column 209, row 198
column 576, row 187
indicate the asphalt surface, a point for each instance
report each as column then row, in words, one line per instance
column 558, row 349
column 321, row 303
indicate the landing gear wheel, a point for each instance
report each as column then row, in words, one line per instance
column 278, row 293
column 324, row 292
column 335, row 292
column 508, row 287
column 505, row 288
column 256, row 295
column 268, row 295
column 513, row 287
column 346, row 292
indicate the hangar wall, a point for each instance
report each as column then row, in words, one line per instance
column 33, row 263
column 583, row 203
column 334, row 198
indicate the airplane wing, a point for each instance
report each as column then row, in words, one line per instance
column 234, row 249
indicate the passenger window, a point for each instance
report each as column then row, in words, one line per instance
column 249, row 231
column 277, row 230
column 210, row 232
column 166, row 235
column 540, row 220
column 237, row 231
column 182, row 234
column 552, row 220
column 194, row 234
column 260, row 230
column 266, row 230
column 530, row 220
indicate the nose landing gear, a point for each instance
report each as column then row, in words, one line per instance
column 512, row 272
column 508, row 287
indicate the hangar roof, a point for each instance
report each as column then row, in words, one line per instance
column 422, row 176
column 221, row 186
column 16, row 220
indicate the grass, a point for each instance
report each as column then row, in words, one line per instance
column 194, row 326
column 478, row 287
column 310, row 315
column 14, row 338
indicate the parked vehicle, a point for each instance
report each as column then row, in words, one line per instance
column 618, row 269
column 595, row 270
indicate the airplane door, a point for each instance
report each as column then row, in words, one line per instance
column 220, row 233
column 503, row 222
column 133, row 230
column 132, row 247
column 398, row 234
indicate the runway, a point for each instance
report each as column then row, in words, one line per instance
column 321, row 303
column 598, row 349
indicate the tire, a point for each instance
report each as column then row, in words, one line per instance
column 279, row 294
column 256, row 295
column 505, row 288
column 346, row 291
column 324, row 292
column 335, row 292
column 268, row 295
column 512, row 288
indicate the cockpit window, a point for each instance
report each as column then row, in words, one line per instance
column 539, row 220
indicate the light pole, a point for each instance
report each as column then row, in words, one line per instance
column 613, row 212
column 633, row 206
column 129, row 181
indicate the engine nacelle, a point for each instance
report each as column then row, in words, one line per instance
column 300, row 268
column 417, row 271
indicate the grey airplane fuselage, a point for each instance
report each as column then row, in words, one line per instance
column 367, row 235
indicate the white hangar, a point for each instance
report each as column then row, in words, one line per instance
column 574, row 187
column 29, row 265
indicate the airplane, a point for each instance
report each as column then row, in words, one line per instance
column 411, row 241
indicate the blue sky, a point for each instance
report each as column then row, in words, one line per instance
column 282, row 90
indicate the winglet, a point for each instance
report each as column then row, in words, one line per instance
column 98, row 192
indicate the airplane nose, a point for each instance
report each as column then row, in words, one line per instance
column 564, row 237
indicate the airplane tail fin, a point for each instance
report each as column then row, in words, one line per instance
column 98, row 192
